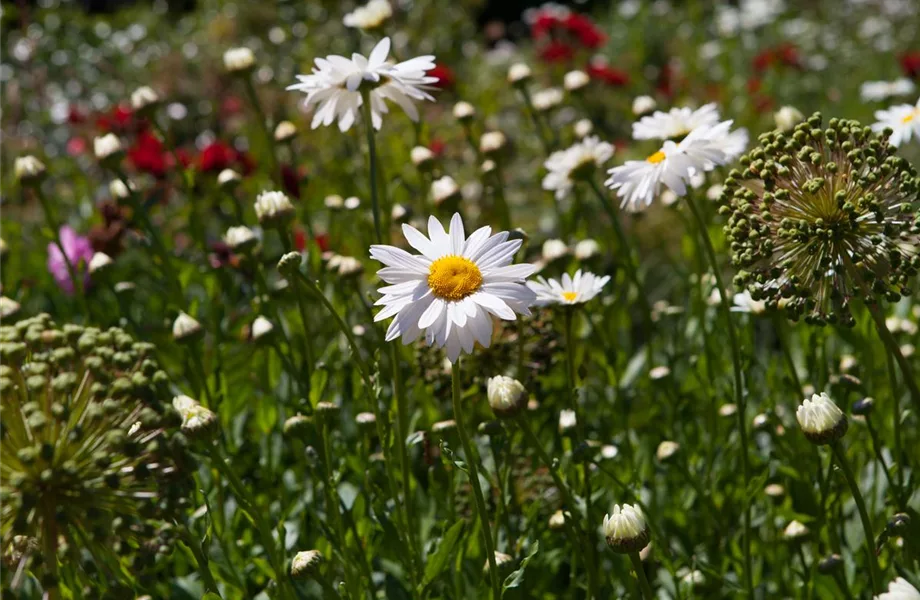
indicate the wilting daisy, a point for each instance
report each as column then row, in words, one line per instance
column 675, row 123
column 453, row 288
column 573, row 163
column 638, row 182
column 569, row 290
column 903, row 119
column 875, row 91
column 335, row 86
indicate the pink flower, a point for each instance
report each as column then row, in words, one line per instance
column 78, row 249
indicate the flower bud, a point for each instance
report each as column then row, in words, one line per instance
column 239, row 60
column 99, row 262
column 422, row 157
column 583, row 128
column 144, row 99
column 366, row 421
column 829, row 564
column 228, row 179
column 666, row 450
column 518, row 73
column 787, row 118
column 197, row 421
column 553, row 249
column 491, row 142
column 775, row 491
column 507, row 396
column 863, row 407
column 327, row 410
column 185, row 328
column 273, row 208
column 400, row 213
column 29, row 170
column 575, row 80
column 334, row 202
column 8, row 307
column 289, row 264
column 546, row 100
column 557, row 520
column 659, row 372
column 444, row 189
column 642, row 105
column 306, row 564
column 821, row 420
column 240, row 238
column 464, row 111
column 107, row 148
column 795, row 530
column 261, row 329
column 297, row 426
column 504, row 563
column 285, row 131
column 567, row 420
column 625, row 529
column 586, row 249
column 352, row 203
column 119, row 190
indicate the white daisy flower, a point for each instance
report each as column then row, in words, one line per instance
column 334, row 87
column 453, row 288
column 638, row 182
column 876, row 91
column 575, row 162
column 570, row 290
column 903, row 119
column 546, row 99
column 675, row 123
column 900, row 589
column 370, row 16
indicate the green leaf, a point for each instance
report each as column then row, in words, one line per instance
column 515, row 579
column 439, row 559
column 210, row 596
column 266, row 415
column 318, row 381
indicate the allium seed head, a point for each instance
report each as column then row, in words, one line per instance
column 820, row 216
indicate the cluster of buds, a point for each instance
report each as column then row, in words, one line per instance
column 92, row 454
column 820, row 216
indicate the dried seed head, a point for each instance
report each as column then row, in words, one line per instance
column 820, row 216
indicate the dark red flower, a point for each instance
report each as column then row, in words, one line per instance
column 74, row 115
column 543, row 24
column 147, row 154
column 601, row 71
column 763, row 103
column 291, row 179
column 216, row 156
column 437, row 146
column 300, row 238
column 557, row 51
column 322, row 241
column 585, row 30
column 665, row 84
column 444, row 74
column 785, row 54
column 910, row 63
column 753, row 85
column 245, row 162
column 118, row 119
column 185, row 157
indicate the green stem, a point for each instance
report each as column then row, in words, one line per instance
column 892, row 345
column 877, row 447
column 537, row 122
column 402, row 426
column 738, row 388
column 330, row 491
column 471, row 462
column 874, row 573
column 640, row 575
column 49, row 554
column 263, row 126
column 372, row 165
column 201, row 558
column 521, row 421
column 783, row 337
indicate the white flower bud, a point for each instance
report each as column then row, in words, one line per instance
column 625, row 529
column 119, row 190
column 261, row 328
column 821, row 420
column 421, row 156
column 464, row 111
column 228, row 178
column 306, row 563
column 99, row 262
column 238, row 60
column 507, row 396
column 334, row 202
column 787, row 117
column 144, row 98
column 492, row 141
column 28, row 169
column 197, row 421
column 575, row 80
column 518, row 73
column 643, row 104
column 8, row 307
column 547, row 99
column 659, row 372
column 273, row 207
column 583, row 128
column 444, row 189
column 369, row 17
column 399, row 212
column 503, row 562
column 554, row 249
column 284, row 131
column 567, row 420
column 557, row 520
column 795, row 530
column 442, row 427
column 666, row 450
column 240, row 238
column 186, row 328
column 586, row 249
column 107, row 147
column 488, row 166
column 352, row 203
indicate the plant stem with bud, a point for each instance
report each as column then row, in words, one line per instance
column 738, row 387
column 640, row 575
column 471, row 463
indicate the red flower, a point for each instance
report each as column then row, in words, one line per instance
column 216, row 156
column 437, row 146
column 185, row 158
column 118, row 119
column 753, row 85
column 231, row 105
column 300, row 238
column 665, row 84
column 76, row 146
column 910, row 63
column 600, row 70
column 74, row 116
column 557, row 51
column 291, row 179
column 444, row 74
column 585, row 30
column 147, row 154
column 785, row 54
column 543, row 24
column 322, row 240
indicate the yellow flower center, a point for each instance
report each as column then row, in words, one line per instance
column 910, row 117
column 569, row 296
column 656, row 158
column 453, row 277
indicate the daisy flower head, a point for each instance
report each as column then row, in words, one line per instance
column 638, row 182
column 576, row 162
column 569, row 290
column 338, row 85
column 900, row 589
column 369, row 17
column 453, row 288
column 820, row 216
column 903, row 120
column 675, row 123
